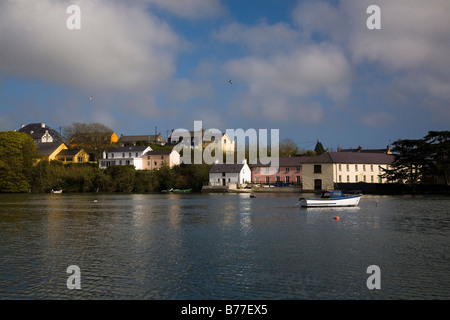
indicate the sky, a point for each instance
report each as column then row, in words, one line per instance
column 311, row 69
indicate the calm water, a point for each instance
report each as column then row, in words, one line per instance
column 221, row 246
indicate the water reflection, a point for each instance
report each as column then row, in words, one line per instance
column 220, row 246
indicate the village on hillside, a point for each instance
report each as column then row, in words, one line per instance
column 312, row 171
column 306, row 172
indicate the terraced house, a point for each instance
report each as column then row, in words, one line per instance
column 324, row 171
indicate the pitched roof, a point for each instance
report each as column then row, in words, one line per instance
column 226, row 167
column 148, row 138
column 159, row 152
column 37, row 130
column 129, row 149
column 69, row 152
column 350, row 157
column 282, row 162
column 334, row 157
column 47, row 148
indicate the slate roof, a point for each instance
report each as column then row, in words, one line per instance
column 128, row 149
column 47, row 148
column 334, row 157
column 158, row 152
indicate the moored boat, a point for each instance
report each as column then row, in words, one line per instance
column 332, row 198
column 180, row 190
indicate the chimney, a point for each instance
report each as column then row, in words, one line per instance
column 359, row 149
column 42, row 125
column 339, row 149
column 22, row 126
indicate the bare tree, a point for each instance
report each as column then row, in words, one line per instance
column 94, row 138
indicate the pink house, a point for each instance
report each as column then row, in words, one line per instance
column 289, row 172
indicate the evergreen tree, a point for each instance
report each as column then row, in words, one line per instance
column 319, row 148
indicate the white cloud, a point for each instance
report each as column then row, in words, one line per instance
column 191, row 9
column 281, row 86
column 412, row 46
column 118, row 47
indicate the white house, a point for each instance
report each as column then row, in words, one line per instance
column 124, row 156
column 223, row 174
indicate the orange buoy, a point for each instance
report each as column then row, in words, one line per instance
column 336, row 218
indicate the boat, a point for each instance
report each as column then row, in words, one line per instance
column 333, row 198
column 56, row 191
column 180, row 190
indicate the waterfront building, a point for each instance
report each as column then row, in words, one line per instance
column 289, row 172
column 328, row 169
column 224, row 174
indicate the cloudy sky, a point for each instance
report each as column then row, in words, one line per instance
column 311, row 69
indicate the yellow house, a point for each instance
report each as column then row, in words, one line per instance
column 73, row 156
column 49, row 150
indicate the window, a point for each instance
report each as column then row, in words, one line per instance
column 348, row 167
column 356, row 167
column 340, row 167
column 129, row 155
column 287, row 169
column 278, row 178
column 155, row 164
column 317, row 168
column 348, row 178
column 137, row 155
column 340, row 178
column 256, row 179
column 257, row 169
column 287, row 179
column 364, row 167
column 297, row 169
column 371, row 167
column 267, row 169
column 123, row 155
column 364, row 178
column 371, row 178
column 356, row 178
column 112, row 155
column 267, row 180
column 298, row 179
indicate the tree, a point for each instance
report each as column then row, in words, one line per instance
column 418, row 158
column 94, row 138
column 408, row 163
column 319, row 148
column 288, row 148
column 17, row 155
column 438, row 154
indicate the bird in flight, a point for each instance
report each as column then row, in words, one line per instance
column 230, row 82
column 91, row 98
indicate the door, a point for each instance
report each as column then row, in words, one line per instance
column 317, row 184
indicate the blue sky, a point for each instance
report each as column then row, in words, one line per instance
column 311, row 69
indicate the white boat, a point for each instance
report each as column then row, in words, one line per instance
column 332, row 199
column 56, row 191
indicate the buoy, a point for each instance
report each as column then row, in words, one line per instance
column 336, row 218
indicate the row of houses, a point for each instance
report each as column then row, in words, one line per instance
column 311, row 173
column 50, row 146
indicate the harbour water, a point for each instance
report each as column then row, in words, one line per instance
column 222, row 246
